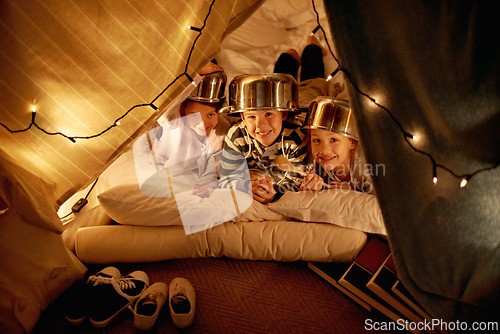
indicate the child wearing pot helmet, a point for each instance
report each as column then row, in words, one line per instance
column 335, row 148
column 264, row 102
column 190, row 136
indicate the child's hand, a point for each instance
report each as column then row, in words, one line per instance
column 312, row 181
column 209, row 68
column 262, row 188
column 201, row 191
column 338, row 185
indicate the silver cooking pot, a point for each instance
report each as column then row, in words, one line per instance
column 329, row 114
column 268, row 91
column 210, row 89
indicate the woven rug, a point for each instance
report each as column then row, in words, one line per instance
column 235, row 296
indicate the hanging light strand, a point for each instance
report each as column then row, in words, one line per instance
column 408, row 137
column 117, row 122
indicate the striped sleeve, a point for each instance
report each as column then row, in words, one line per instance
column 233, row 165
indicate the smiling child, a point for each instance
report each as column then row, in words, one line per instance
column 264, row 102
column 335, row 148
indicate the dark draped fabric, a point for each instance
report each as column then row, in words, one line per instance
column 433, row 67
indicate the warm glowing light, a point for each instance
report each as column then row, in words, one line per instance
column 329, row 78
column 193, row 28
column 376, row 99
column 409, row 135
column 33, row 109
column 117, row 123
column 190, row 79
column 415, row 137
column 463, row 183
column 435, row 180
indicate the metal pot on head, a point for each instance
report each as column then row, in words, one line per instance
column 267, row 91
column 211, row 88
column 333, row 115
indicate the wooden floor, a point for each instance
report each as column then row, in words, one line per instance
column 235, row 296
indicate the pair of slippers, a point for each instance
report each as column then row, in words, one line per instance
column 181, row 300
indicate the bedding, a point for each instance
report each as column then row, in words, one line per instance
column 327, row 226
column 132, row 227
column 128, row 205
column 35, row 267
column 276, row 26
column 349, row 208
column 263, row 240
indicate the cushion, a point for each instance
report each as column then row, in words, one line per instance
column 36, row 268
column 29, row 196
column 266, row 240
column 128, row 205
column 351, row 209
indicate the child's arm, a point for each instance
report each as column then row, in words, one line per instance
column 233, row 166
column 208, row 174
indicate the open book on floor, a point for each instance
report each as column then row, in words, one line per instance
column 362, row 269
column 331, row 272
column 371, row 280
column 381, row 284
column 399, row 289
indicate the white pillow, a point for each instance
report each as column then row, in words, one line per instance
column 351, row 209
column 127, row 204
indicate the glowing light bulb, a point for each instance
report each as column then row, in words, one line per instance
column 315, row 30
column 435, row 180
column 117, row 123
column 33, row 114
column 463, row 183
column 193, row 28
column 409, row 135
column 190, row 79
column 330, row 77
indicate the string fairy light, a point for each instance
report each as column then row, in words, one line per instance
column 315, row 30
column 464, row 181
column 194, row 28
column 408, row 137
column 117, row 122
column 330, row 77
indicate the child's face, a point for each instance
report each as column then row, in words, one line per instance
column 331, row 150
column 264, row 125
column 201, row 118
